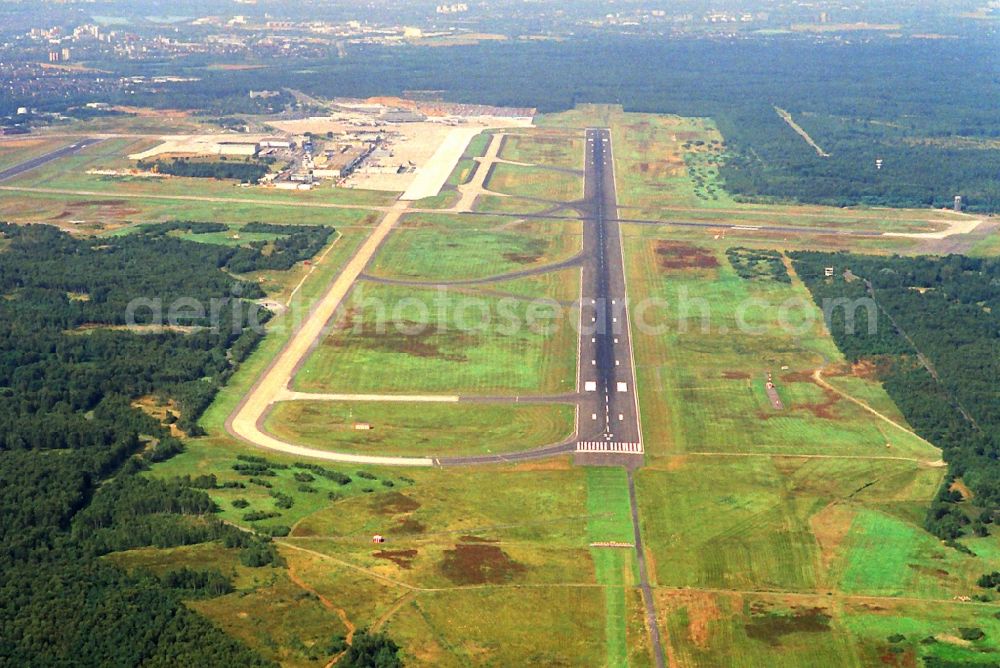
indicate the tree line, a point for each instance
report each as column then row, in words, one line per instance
column 73, row 451
column 947, row 310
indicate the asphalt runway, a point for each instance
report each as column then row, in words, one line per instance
column 608, row 409
column 34, row 163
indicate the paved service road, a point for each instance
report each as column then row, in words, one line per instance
column 609, row 411
column 28, row 165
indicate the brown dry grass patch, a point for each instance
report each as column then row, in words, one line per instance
column 393, row 503
column 554, row 464
column 679, row 255
column 409, row 525
column 830, row 526
column 531, row 255
column 960, row 487
column 771, row 626
column 702, row 609
column 407, row 337
column 157, row 409
column 402, row 558
column 479, row 563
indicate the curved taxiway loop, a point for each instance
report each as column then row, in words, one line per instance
column 247, row 421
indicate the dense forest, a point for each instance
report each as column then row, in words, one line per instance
column 246, row 172
column 925, row 108
column 72, row 449
column 936, row 339
column 293, row 243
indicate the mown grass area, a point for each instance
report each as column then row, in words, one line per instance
column 234, row 236
column 535, row 182
column 478, row 145
column 710, row 629
column 543, row 503
column 397, row 339
column 562, row 285
column 547, row 148
column 424, row 430
column 456, row 248
column 649, row 157
column 475, row 534
column 908, row 221
column 719, row 239
column 581, row 117
column 518, row 526
column 852, row 527
column 17, row 151
column 463, row 172
column 514, row 205
column 988, row 245
column 550, row 626
column 725, row 523
column 888, row 553
column 667, row 168
column 703, row 352
column 279, row 286
column 110, row 213
column 447, row 198
column 610, row 520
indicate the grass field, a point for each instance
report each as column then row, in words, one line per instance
column 773, row 537
column 482, row 539
column 16, row 151
column 107, row 214
column 704, row 351
column 667, row 168
column 610, row 520
column 279, row 285
column 781, row 524
column 420, row 429
column 454, row 248
column 399, row 339
column 535, row 182
column 518, row 205
column 550, row 149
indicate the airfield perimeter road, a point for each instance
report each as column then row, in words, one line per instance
column 28, row 165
